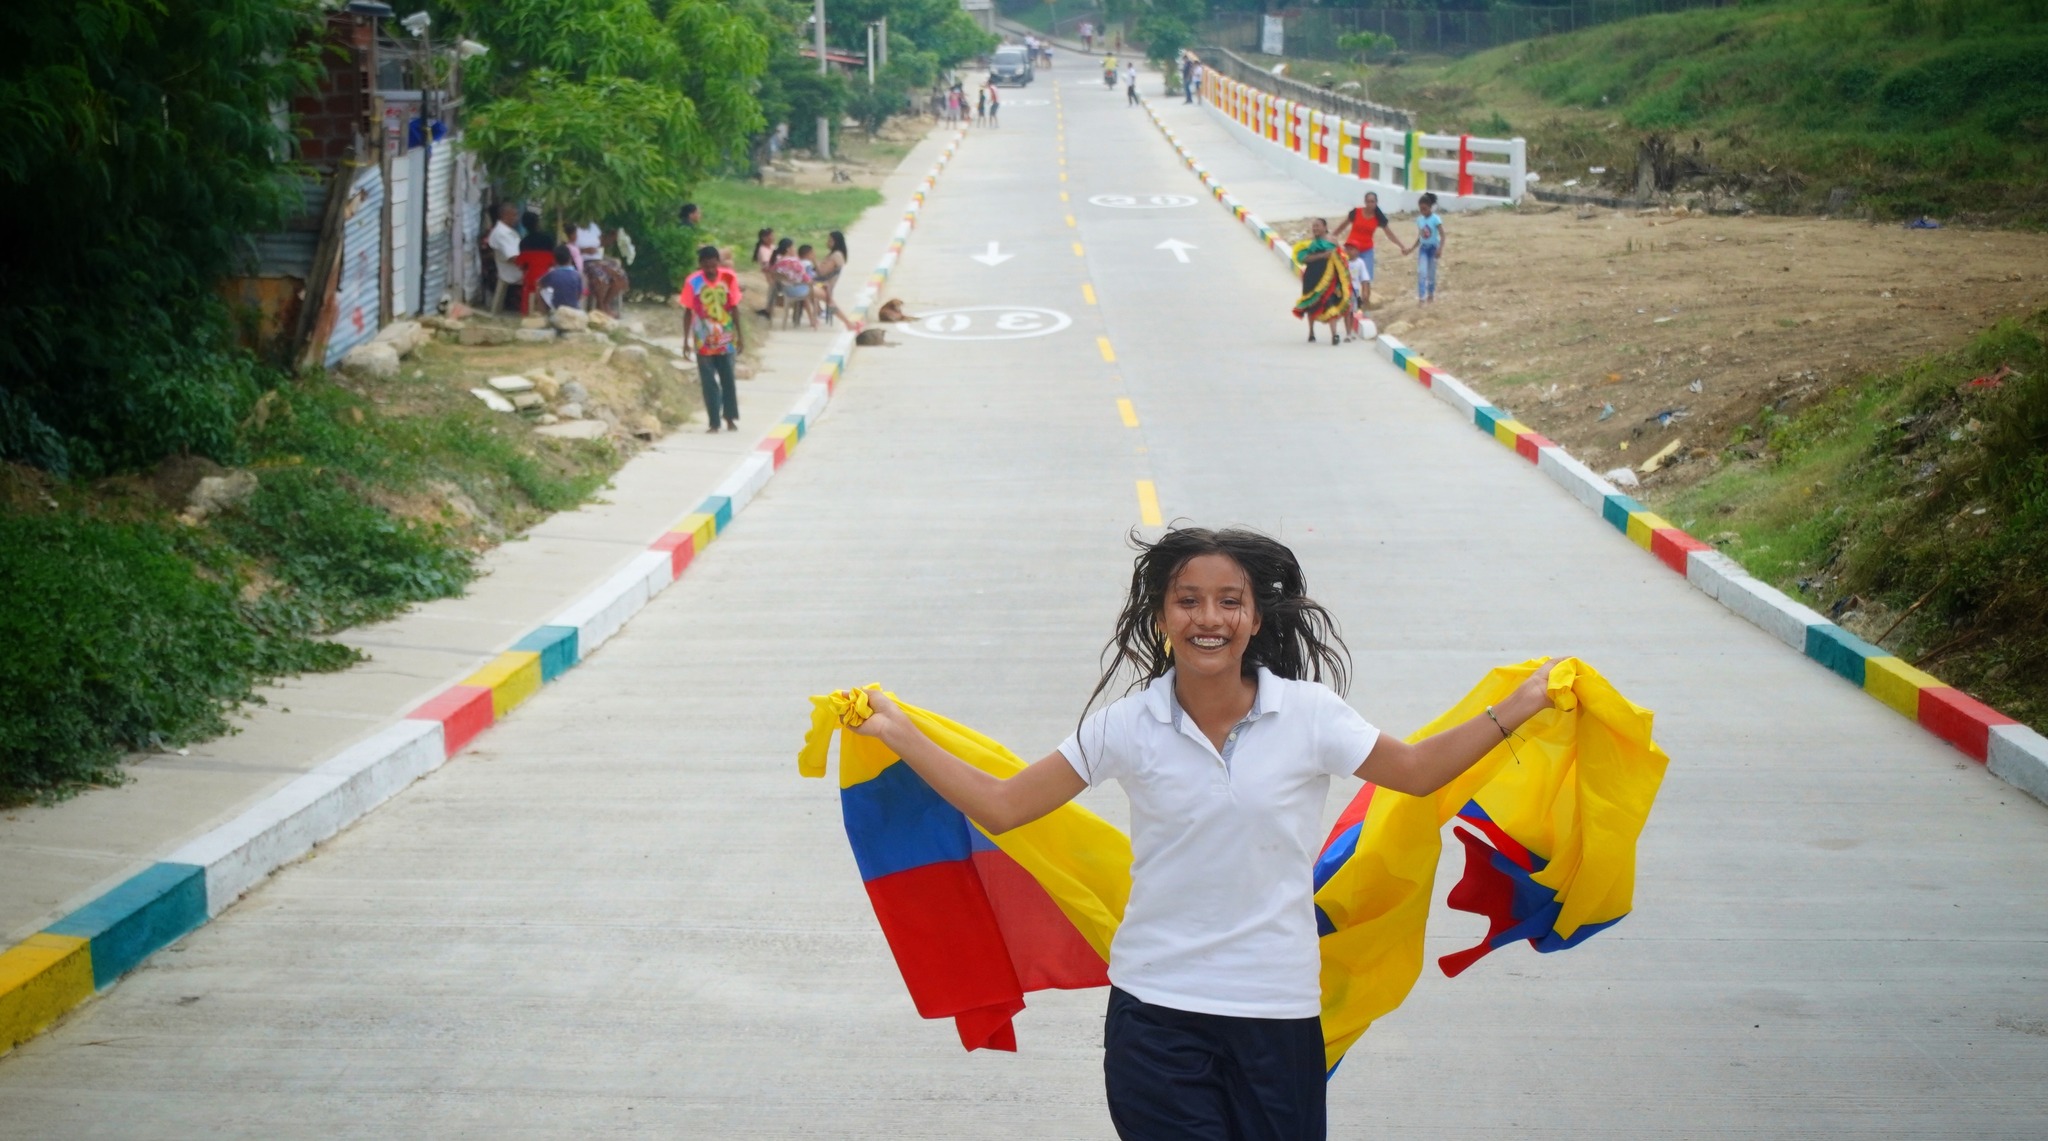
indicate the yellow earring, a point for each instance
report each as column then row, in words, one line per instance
column 1169, row 648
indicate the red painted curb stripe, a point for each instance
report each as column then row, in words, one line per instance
column 681, row 547
column 463, row 711
column 1528, row 444
column 1672, row 547
column 1959, row 719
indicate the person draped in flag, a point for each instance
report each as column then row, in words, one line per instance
column 1325, row 281
column 1224, row 741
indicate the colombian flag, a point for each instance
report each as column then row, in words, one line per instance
column 1551, row 820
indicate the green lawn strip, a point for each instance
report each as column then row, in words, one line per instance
column 734, row 210
column 1912, row 106
column 1912, row 507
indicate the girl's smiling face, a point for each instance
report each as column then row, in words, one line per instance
column 1210, row 615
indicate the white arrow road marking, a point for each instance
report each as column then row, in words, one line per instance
column 994, row 256
column 1180, row 249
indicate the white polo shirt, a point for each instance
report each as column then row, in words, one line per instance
column 1222, row 911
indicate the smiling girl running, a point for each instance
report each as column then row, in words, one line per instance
column 1225, row 745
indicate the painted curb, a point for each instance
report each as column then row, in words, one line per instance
column 88, row 950
column 2014, row 753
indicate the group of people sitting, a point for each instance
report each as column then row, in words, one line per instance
column 801, row 281
column 544, row 273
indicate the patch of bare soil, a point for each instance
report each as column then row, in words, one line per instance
column 1689, row 325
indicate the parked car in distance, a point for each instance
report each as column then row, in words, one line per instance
column 1010, row 65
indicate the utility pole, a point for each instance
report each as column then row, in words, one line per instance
column 871, row 55
column 885, row 42
column 824, row 68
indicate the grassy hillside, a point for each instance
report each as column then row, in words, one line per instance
column 1912, row 507
column 1895, row 107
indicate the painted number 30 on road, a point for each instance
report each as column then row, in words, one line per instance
column 988, row 323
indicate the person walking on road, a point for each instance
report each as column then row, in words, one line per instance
column 1325, row 281
column 981, row 107
column 711, row 298
column 1087, row 37
column 1225, row 744
column 1187, row 77
column 1429, row 247
column 1130, row 83
column 1358, row 230
column 995, row 105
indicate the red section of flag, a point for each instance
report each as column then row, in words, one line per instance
column 1045, row 950
column 950, row 949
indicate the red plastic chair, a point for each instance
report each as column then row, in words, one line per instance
column 535, row 264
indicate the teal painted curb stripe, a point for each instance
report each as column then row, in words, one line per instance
column 1617, row 510
column 1401, row 359
column 1839, row 650
column 124, row 926
column 1486, row 416
column 556, row 646
column 719, row 508
column 797, row 420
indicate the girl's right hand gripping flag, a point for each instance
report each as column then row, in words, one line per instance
column 976, row 921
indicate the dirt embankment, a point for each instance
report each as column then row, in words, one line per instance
column 1688, row 326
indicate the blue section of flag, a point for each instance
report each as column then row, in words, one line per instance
column 896, row 822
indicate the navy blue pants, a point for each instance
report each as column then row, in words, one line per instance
column 1174, row 1075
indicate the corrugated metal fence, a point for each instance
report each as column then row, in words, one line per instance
column 360, row 286
column 440, row 247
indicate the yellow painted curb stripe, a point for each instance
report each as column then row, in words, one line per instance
column 703, row 528
column 1130, row 414
column 1508, row 431
column 1088, row 293
column 1108, row 354
column 41, row 977
column 1897, row 684
column 1641, row 525
column 512, row 677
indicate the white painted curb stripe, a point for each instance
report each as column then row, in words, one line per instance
column 313, row 807
column 2019, row 757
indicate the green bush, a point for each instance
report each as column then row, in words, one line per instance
column 117, row 639
column 344, row 558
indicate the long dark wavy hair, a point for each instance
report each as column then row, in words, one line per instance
column 1297, row 638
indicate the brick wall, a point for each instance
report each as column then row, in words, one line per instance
column 331, row 119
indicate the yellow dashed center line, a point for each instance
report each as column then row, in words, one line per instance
column 1077, row 250
column 1063, row 176
column 1125, row 410
column 1063, row 196
column 1088, row 293
column 1108, row 354
column 1070, row 221
column 1148, row 504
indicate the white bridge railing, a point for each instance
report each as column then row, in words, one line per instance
column 1465, row 172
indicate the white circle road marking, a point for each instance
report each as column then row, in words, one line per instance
column 988, row 323
column 1142, row 201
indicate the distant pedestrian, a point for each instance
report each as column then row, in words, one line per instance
column 1187, row 77
column 503, row 241
column 1131, row 82
column 793, row 276
column 561, row 287
column 764, row 248
column 1325, row 281
column 711, row 299
column 1429, row 247
column 1358, row 230
column 995, row 105
column 953, row 106
column 1087, row 37
column 690, row 217
column 781, row 251
column 981, row 107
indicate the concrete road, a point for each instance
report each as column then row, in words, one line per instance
column 624, row 913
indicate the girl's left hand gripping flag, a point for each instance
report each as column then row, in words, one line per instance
column 969, row 917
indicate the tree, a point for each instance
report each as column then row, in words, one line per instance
column 611, row 108
column 136, row 149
